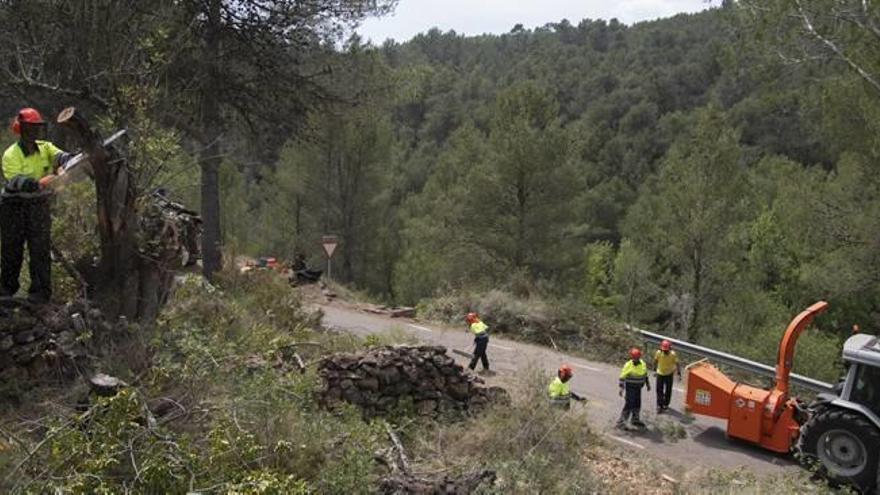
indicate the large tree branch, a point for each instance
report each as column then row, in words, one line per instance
column 811, row 30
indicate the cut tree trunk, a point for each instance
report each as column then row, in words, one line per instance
column 126, row 281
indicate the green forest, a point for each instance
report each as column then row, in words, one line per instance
column 691, row 175
column 706, row 175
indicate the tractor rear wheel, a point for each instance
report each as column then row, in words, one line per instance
column 843, row 444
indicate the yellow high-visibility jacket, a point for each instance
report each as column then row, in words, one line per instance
column 36, row 165
column 559, row 389
column 480, row 329
column 634, row 373
column 666, row 362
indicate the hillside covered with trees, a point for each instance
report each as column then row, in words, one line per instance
column 706, row 176
column 700, row 174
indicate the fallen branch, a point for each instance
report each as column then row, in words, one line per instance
column 403, row 462
column 299, row 363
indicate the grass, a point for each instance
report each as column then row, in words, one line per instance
column 218, row 407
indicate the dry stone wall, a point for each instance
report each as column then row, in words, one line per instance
column 41, row 341
column 377, row 381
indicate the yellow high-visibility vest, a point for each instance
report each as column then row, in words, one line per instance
column 479, row 328
column 634, row 373
column 36, row 165
column 666, row 362
column 559, row 389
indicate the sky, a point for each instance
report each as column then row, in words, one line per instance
column 473, row 17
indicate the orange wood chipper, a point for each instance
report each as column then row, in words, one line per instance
column 838, row 432
column 764, row 417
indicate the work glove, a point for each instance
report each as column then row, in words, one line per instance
column 44, row 182
column 63, row 158
column 30, row 185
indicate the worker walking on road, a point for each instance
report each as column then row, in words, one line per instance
column 665, row 364
column 481, row 341
column 633, row 377
column 24, row 209
column 559, row 389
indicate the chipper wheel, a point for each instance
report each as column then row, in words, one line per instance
column 843, row 445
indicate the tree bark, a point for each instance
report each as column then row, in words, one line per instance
column 126, row 282
column 209, row 156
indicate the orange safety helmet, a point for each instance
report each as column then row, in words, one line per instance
column 472, row 317
column 26, row 116
column 665, row 345
column 635, row 353
column 565, row 371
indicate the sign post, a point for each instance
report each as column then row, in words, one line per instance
column 329, row 242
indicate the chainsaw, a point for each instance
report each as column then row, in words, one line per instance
column 75, row 168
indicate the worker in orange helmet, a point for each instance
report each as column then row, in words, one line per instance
column 24, row 209
column 481, row 341
column 665, row 364
column 633, row 376
column 560, row 390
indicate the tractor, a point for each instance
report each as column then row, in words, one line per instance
column 837, row 433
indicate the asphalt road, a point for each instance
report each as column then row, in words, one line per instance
column 705, row 444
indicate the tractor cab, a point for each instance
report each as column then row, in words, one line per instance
column 861, row 385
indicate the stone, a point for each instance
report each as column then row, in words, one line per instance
column 447, row 371
column 458, row 391
column 369, row 384
column 65, row 339
column 25, row 337
column 389, row 375
column 19, row 323
column 411, row 373
column 6, row 343
column 353, row 396
column 346, row 384
column 402, row 388
column 386, row 402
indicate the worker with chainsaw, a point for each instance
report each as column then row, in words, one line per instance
column 481, row 341
column 633, row 376
column 560, row 390
column 665, row 364
column 24, row 206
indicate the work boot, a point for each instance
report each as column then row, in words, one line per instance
column 637, row 422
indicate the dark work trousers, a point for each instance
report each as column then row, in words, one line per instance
column 480, row 345
column 26, row 221
column 632, row 406
column 664, row 390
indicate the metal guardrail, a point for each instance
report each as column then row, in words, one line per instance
column 735, row 361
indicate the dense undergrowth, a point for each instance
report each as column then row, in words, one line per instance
column 217, row 405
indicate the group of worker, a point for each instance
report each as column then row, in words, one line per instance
column 25, row 218
column 633, row 376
